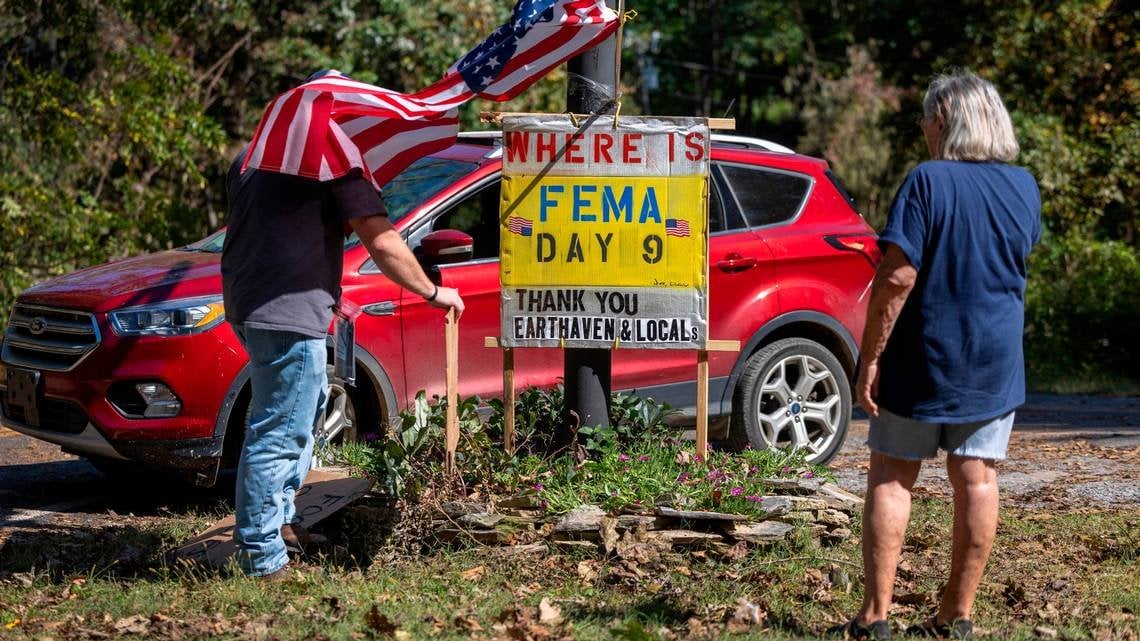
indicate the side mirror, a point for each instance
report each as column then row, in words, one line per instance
column 446, row 246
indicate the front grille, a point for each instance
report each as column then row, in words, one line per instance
column 55, row 416
column 49, row 338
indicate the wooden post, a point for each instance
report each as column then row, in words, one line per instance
column 451, row 431
column 703, row 404
column 509, row 400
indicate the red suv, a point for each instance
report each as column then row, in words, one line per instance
column 130, row 362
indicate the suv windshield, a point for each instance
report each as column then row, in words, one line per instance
column 423, row 179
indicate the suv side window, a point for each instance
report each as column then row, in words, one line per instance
column 478, row 216
column 766, row 196
column 723, row 212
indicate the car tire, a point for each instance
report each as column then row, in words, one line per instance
column 792, row 393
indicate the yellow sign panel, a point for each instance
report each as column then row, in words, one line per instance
column 617, row 230
column 604, row 233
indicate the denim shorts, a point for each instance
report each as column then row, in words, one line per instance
column 913, row 440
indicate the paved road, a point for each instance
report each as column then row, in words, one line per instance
column 1065, row 449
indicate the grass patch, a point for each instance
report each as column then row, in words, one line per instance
column 1074, row 572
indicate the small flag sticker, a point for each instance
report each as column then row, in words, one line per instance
column 519, row 225
column 677, row 227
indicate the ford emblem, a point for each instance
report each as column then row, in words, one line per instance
column 37, row 326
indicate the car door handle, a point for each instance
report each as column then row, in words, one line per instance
column 735, row 263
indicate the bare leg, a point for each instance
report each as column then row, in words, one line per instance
column 885, row 516
column 975, row 525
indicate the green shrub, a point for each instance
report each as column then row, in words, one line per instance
column 1082, row 311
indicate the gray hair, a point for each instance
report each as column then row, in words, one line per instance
column 975, row 124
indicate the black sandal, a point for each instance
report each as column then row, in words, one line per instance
column 956, row 630
column 873, row 631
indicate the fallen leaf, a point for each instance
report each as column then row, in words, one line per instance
column 135, row 624
column 474, row 573
column 588, row 570
column 549, row 613
column 684, row 457
column 380, row 622
column 737, row 552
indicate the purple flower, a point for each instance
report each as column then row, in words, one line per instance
column 538, row 487
column 715, row 475
column 737, row 491
column 809, row 474
column 753, row 469
column 697, row 458
column 682, row 477
column 786, row 469
column 643, row 458
column 623, row 458
column 543, row 505
column 754, row 498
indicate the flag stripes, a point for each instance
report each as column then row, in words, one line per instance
column 326, row 127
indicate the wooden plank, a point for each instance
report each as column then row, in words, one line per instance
column 451, row 429
column 490, row 341
column 722, row 346
column 496, row 117
column 509, row 400
column 723, row 124
column 703, row 404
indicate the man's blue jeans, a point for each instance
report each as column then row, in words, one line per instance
column 288, row 381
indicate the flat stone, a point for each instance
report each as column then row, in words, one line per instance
column 531, row 515
column 584, row 518
column 697, row 515
column 762, row 532
column 526, row 502
column 685, row 537
column 797, row 516
column 832, row 517
column 634, row 521
column 774, row 506
column 806, row 503
column 835, row 536
column 456, row 509
column 794, row 485
column 482, row 521
column 838, row 498
column 575, row 545
column 491, row 537
column 521, row 550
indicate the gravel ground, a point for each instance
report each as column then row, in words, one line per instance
column 1066, row 451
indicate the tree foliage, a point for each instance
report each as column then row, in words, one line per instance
column 118, row 117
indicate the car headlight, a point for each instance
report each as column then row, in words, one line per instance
column 169, row 318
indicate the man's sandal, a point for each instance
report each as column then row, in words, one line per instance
column 873, row 631
column 956, row 630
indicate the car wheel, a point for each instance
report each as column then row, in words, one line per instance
column 339, row 425
column 792, row 394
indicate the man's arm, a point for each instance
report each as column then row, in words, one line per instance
column 893, row 283
column 393, row 257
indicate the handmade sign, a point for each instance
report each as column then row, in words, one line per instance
column 604, row 233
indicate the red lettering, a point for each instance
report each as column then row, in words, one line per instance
column 517, row 142
column 573, row 146
column 548, row 146
column 629, row 148
column 671, row 145
column 602, row 144
column 694, row 140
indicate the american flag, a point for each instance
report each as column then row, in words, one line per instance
column 519, row 225
column 677, row 227
column 332, row 124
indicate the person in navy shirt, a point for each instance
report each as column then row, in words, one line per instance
column 942, row 364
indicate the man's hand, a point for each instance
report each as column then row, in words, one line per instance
column 393, row 257
column 448, row 298
column 867, row 389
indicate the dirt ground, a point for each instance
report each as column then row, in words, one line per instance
column 1066, row 452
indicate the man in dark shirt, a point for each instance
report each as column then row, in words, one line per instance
column 281, row 269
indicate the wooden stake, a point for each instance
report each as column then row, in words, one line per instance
column 451, row 430
column 703, row 404
column 509, row 400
